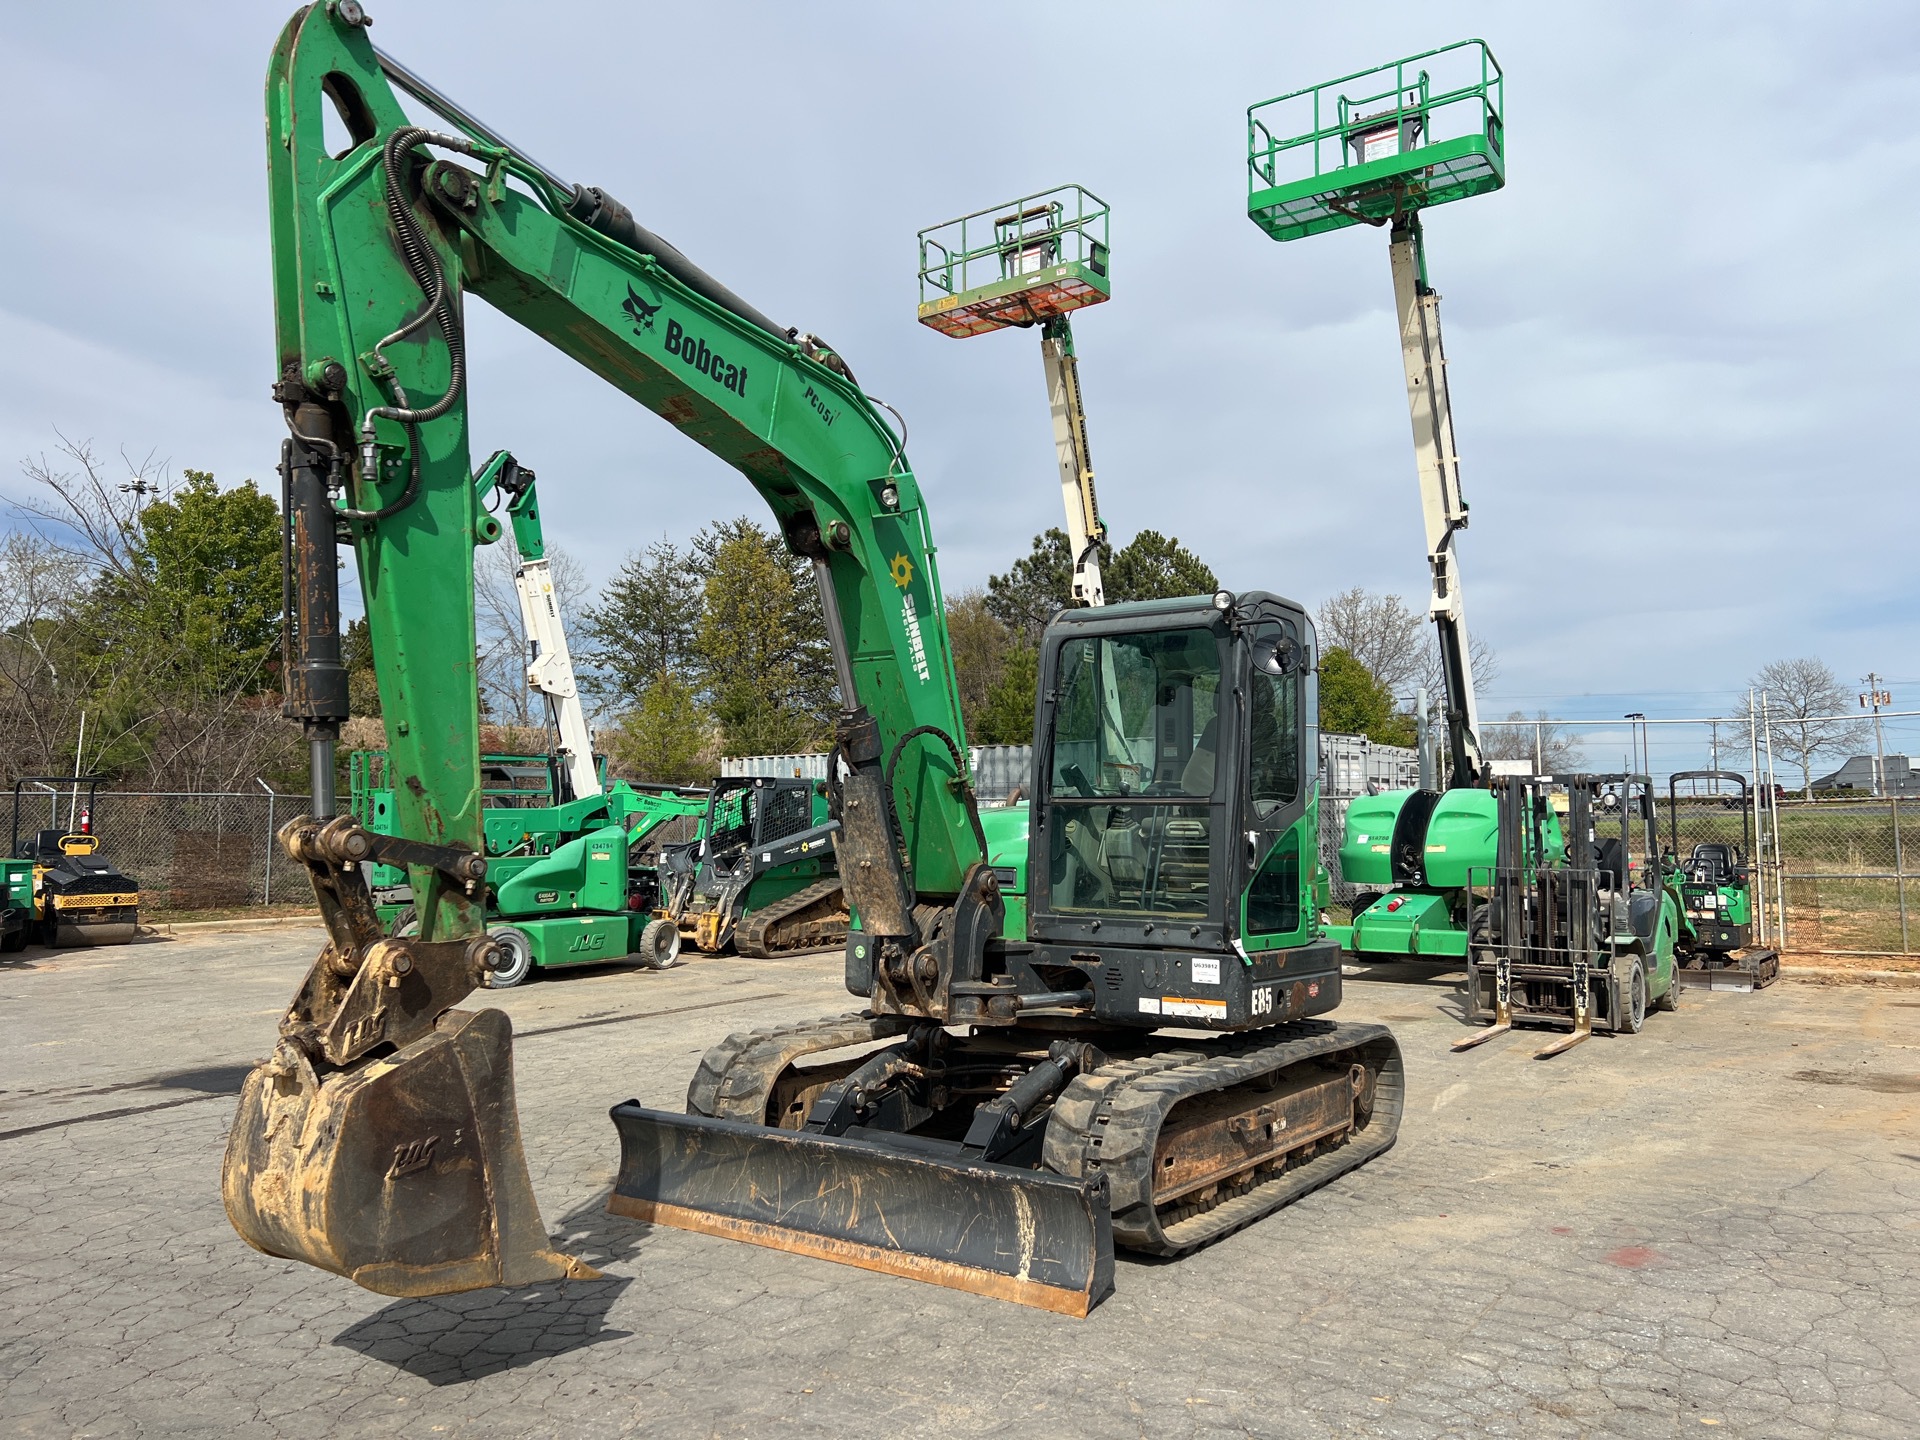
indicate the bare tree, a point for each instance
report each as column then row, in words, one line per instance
column 1382, row 632
column 1394, row 641
column 1806, row 707
column 1541, row 742
column 162, row 706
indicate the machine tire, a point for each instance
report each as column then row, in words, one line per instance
column 659, row 945
column 405, row 924
column 520, row 967
column 1364, row 899
column 17, row 941
column 1633, row 1009
column 1670, row 998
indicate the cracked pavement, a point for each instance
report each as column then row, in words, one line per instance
column 1713, row 1228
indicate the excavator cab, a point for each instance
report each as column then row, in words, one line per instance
column 1021, row 1117
column 1175, row 808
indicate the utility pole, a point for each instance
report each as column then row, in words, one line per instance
column 1876, row 697
column 1715, row 742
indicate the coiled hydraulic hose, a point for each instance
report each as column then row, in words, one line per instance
column 966, row 789
column 424, row 265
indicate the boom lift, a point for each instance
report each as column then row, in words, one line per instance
column 568, row 882
column 1379, row 147
column 1020, row 1114
column 1034, row 263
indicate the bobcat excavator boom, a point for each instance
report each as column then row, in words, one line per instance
column 380, row 1140
column 1000, row 1113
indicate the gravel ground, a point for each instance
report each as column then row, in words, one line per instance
column 1711, row 1229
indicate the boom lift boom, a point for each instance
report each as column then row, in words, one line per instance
column 1035, row 263
column 1020, row 1114
column 1402, row 138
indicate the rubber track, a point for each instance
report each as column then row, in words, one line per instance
column 1110, row 1122
column 736, row 1077
column 750, row 937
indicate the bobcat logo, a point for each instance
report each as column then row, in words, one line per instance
column 639, row 311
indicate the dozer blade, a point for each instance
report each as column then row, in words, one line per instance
column 404, row 1174
column 1029, row 1236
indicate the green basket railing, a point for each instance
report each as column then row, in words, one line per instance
column 1016, row 263
column 1408, row 135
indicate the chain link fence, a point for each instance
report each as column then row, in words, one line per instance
column 187, row 851
column 1828, row 830
column 1831, row 844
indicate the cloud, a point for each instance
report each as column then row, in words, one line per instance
column 1680, row 360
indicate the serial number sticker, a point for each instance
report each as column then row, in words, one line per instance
column 1206, row 970
column 1149, row 1005
column 1199, row 1009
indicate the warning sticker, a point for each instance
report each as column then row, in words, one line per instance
column 1198, row 1009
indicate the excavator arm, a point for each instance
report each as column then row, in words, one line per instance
column 381, row 1140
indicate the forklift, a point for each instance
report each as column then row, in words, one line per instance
column 1587, row 942
column 76, row 896
column 1715, row 883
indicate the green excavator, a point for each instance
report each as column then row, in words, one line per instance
column 1003, row 1106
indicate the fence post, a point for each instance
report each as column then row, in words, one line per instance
column 1900, row 874
column 266, row 886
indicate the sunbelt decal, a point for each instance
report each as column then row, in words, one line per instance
column 902, row 571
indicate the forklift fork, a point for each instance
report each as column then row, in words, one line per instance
column 1502, row 1007
column 1582, row 1013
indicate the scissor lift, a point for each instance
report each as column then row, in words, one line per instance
column 1032, row 261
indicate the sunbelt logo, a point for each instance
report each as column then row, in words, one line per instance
column 710, row 363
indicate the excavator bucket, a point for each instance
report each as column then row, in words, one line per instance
column 1023, row 1235
column 404, row 1174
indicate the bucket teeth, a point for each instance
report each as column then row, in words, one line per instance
column 404, row 1174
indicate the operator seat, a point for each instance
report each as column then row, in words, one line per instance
column 1710, row 864
column 1197, row 777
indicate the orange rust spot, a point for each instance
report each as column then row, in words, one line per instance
column 1633, row 1257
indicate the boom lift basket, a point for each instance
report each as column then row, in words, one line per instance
column 1376, row 144
column 1020, row 263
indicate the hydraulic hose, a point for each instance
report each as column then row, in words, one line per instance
column 960, row 766
column 423, row 263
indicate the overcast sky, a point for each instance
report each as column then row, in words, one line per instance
column 1681, row 339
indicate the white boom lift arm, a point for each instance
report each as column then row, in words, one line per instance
column 1417, row 306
